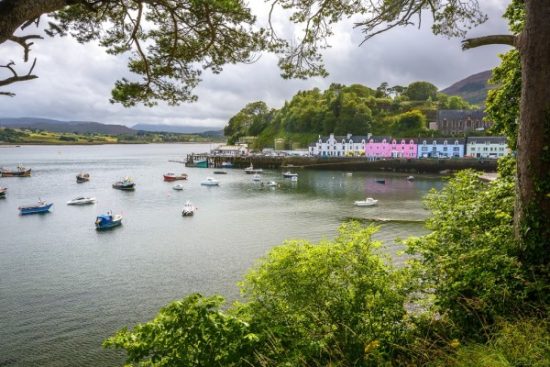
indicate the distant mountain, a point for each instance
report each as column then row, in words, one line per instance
column 181, row 129
column 473, row 88
column 79, row 127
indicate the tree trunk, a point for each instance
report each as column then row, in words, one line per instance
column 532, row 221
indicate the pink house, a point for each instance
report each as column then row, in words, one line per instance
column 378, row 148
column 403, row 148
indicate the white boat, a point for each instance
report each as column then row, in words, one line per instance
column 289, row 174
column 178, row 187
column 410, row 178
column 256, row 177
column 250, row 170
column 366, row 202
column 210, row 182
column 294, row 178
column 271, row 184
column 81, row 200
column 188, row 209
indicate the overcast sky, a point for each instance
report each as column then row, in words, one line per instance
column 75, row 80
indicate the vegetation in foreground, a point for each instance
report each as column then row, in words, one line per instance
column 465, row 298
column 26, row 136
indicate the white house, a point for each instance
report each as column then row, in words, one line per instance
column 440, row 147
column 487, row 147
column 339, row 146
column 230, row 150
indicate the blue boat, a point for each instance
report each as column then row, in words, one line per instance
column 40, row 207
column 106, row 221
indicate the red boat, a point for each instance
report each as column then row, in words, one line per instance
column 20, row 172
column 173, row 177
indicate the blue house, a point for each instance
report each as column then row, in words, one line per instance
column 440, row 148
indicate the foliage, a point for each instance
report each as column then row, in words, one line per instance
column 190, row 332
column 421, row 91
column 471, row 261
column 408, row 124
column 249, row 121
column 333, row 303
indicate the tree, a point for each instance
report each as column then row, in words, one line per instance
column 421, row 91
column 250, row 120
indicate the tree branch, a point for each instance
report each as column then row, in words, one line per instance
column 499, row 39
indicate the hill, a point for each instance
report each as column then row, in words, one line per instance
column 180, row 129
column 58, row 126
column 473, row 88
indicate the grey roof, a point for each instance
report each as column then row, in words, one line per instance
column 355, row 138
column 379, row 139
column 487, row 139
column 450, row 141
column 459, row 115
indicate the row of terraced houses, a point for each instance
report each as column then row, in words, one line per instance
column 382, row 147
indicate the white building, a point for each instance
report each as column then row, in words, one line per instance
column 230, row 150
column 487, row 147
column 339, row 146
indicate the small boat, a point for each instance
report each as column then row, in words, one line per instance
column 82, row 177
column 210, row 182
column 81, row 200
column 173, row 177
column 19, row 172
column 40, row 207
column 106, row 221
column 366, row 202
column 410, row 178
column 188, row 209
column 227, row 165
column 178, row 187
column 250, row 170
column 3, row 191
column 125, row 184
column 220, row 173
column 256, row 177
column 271, row 184
column 294, row 179
column 289, row 174
column 380, row 181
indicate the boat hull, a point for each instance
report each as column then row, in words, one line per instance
column 170, row 178
column 124, row 187
column 25, row 173
column 113, row 224
column 35, row 209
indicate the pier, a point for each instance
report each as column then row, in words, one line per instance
column 423, row 165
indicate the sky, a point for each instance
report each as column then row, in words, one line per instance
column 75, row 80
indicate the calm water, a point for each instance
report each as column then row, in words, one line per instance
column 64, row 287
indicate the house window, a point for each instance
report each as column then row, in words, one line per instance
column 445, row 142
column 424, row 149
column 456, row 149
column 444, row 149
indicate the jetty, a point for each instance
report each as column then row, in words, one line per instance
column 351, row 164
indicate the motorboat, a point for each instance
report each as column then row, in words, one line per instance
column 125, row 184
column 220, row 173
column 227, row 165
column 40, row 207
column 250, row 170
column 289, row 174
column 19, row 172
column 410, row 178
column 366, row 202
column 107, row 221
column 271, row 184
column 188, row 209
column 178, row 187
column 82, row 177
column 256, row 177
column 210, row 182
column 3, row 191
column 81, row 200
column 173, row 177
column 380, row 181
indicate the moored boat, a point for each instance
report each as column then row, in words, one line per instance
column 40, row 207
column 380, row 181
column 271, row 184
column 82, row 177
column 220, row 173
column 177, row 187
column 210, row 182
column 410, row 178
column 19, row 172
column 173, row 177
column 366, row 202
column 81, row 200
column 227, row 165
column 3, row 191
column 107, row 221
column 125, row 184
column 250, row 170
column 256, row 177
column 188, row 209
column 289, row 174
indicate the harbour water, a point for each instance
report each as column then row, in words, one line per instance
column 64, row 287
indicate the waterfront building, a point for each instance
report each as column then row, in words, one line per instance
column 378, row 147
column 230, row 150
column 403, row 148
column 440, row 147
column 487, row 147
column 339, row 146
column 460, row 121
